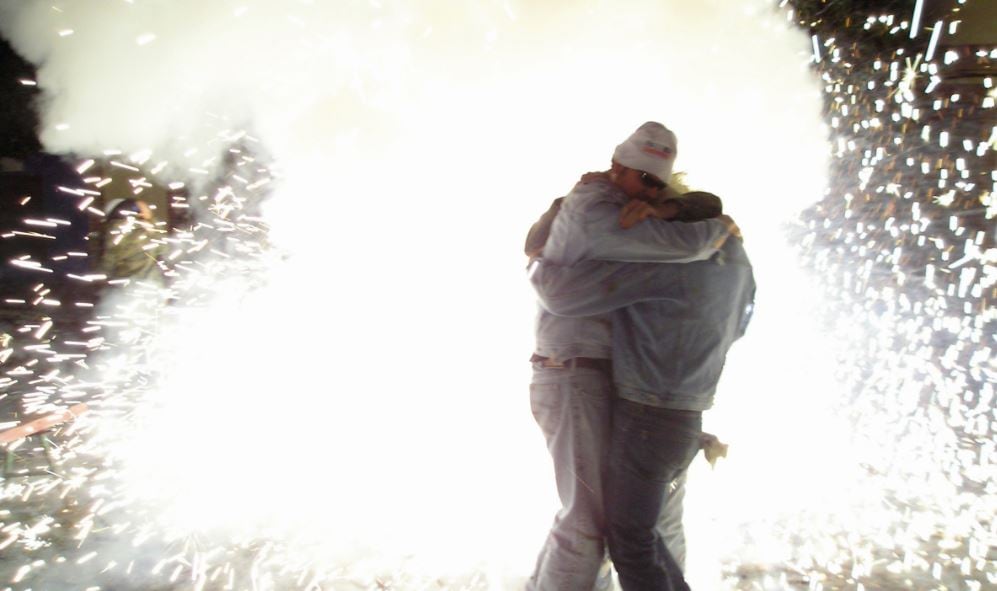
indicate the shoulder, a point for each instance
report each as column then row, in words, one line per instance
column 733, row 252
column 592, row 195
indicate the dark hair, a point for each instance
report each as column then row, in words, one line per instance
column 696, row 206
column 128, row 205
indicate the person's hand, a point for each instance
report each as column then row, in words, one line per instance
column 713, row 448
column 732, row 228
column 636, row 211
column 589, row 177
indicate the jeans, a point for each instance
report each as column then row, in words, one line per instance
column 650, row 447
column 573, row 408
column 670, row 521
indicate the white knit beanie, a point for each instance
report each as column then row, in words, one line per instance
column 651, row 149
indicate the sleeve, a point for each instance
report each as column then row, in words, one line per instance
column 538, row 234
column 131, row 254
column 108, row 261
column 651, row 241
column 748, row 307
column 111, row 253
column 597, row 287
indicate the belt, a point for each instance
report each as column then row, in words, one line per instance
column 604, row 365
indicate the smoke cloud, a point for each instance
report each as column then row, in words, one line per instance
column 415, row 144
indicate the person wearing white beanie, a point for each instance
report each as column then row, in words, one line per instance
column 651, row 150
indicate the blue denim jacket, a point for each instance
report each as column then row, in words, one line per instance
column 672, row 324
column 587, row 227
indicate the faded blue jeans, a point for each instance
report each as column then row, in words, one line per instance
column 650, row 447
column 574, row 409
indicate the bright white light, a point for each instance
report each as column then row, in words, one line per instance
column 936, row 32
column 374, row 383
column 916, row 20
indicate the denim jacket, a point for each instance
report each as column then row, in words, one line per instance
column 587, row 227
column 672, row 323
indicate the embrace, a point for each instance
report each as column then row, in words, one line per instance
column 642, row 291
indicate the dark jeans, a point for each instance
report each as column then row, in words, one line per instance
column 649, row 448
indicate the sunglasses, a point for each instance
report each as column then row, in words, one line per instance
column 651, row 182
